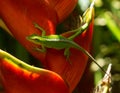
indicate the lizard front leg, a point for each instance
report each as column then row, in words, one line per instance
column 40, row 28
column 42, row 49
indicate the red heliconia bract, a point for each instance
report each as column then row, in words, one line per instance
column 20, row 15
column 63, row 7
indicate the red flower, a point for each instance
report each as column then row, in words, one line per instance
column 19, row 16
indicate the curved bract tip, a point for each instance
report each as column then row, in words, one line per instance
column 19, row 77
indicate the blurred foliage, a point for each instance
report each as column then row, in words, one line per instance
column 106, row 40
column 105, row 46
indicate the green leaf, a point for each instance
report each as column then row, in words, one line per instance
column 111, row 24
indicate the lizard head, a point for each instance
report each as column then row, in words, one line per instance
column 34, row 38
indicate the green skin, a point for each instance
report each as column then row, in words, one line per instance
column 59, row 42
column 54, row 41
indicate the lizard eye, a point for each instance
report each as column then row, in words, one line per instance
column 33, row 38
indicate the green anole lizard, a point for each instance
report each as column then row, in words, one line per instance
column 59, row 42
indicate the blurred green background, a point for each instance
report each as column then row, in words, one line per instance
column 105, row 45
